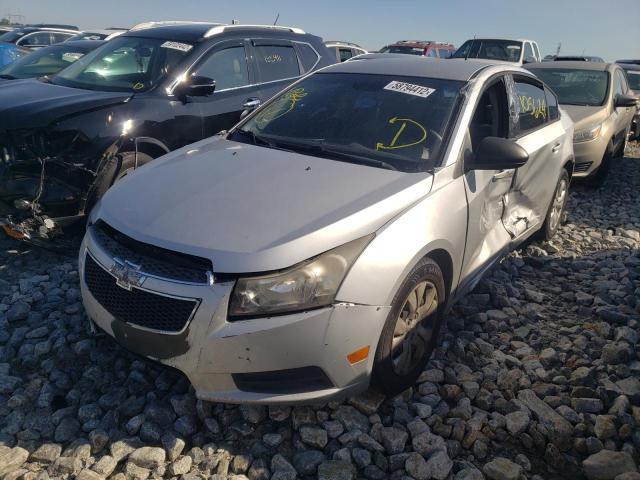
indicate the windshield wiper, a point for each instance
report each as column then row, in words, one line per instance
column 255, row 139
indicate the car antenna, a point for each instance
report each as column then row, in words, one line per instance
column 275, row 22
column 470, row 47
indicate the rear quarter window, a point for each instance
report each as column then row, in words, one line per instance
column 531, row 104
column 308, row 56
column 276, row 62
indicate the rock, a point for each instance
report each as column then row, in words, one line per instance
column 18, row 311
column 105, row 465
column 336, row 470
column 306, row 462
column 253, row 413
column 560, row 430
column 469, row 473
column 367, row 402
column 587, row 405
column 134, row 472
column 148, row 457
column 439, row 465
column 66, row 430
column 88, row 475
column 394, row 440
column 351, row 418
column 416, row 466
column 427, row 443
column 607, row 464
column 46, row 453
column 173, row 446
column 605, row 427
column 517, row 422
column 11, row 459
column 502, row 469
column 180, row 466
column 282, row 469
column 314, row 436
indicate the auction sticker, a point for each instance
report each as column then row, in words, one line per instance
column 183, row 47
column 410, row 89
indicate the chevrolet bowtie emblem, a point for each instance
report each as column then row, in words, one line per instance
column 127, row 274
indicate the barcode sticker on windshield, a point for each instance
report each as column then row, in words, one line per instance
column 410, row 89
column 183, row 47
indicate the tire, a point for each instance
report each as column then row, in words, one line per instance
column 397, row 369
column 553, row 220
column 597, row 178
column 620, row 152
column 116, row 170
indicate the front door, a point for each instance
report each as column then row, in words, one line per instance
column 486, row 189
column 623, row 115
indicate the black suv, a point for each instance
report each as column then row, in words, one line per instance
column 39, row 35
column 64, row 140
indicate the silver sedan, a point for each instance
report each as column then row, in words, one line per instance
column 314, row 249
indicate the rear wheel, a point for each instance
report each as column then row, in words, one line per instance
column 556, row 209
column 410, row 332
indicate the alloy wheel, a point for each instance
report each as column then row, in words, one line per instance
column 413, row 332
column 558, row 204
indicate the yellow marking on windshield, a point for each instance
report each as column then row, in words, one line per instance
column 272, row 112
column 138, row 86
column 393, row 145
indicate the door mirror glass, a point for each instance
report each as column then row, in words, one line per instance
column 626, row 101
column 495, row 153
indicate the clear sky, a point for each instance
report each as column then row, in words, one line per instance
column 605, row 28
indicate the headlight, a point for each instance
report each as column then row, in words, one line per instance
column 311, row 284
column 588, row 134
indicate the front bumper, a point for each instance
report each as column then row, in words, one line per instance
column 588, row 156
column 214, row 353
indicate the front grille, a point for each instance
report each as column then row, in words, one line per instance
column 137, row 307
column 153, row 261
column 281, row 382
column 582, row 167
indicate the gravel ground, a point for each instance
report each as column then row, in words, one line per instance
column 538, row 376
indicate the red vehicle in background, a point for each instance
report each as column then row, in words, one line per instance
column 425, row 48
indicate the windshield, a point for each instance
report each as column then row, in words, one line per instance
column 124, row 64
column 46, row 61
column 634, row 79
column 11, row 37
column 403, row 49
column 503, row 50
column 575, row 87
column 386, row 121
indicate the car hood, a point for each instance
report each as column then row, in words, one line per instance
column 255, row 209
column 585, row 117
column 31, row 103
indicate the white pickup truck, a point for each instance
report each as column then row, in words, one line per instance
column 518, row 51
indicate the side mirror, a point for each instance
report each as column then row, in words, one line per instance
column 196, row 86
column 495, row 153
column 529, row 60
column 622, row 101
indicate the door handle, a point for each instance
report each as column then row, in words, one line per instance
column 503, row 174
column 556, row 148
column 251, row 103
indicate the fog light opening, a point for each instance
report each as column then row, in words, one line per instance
column 358, row 356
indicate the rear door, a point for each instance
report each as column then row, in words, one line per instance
column 276, row 63
column 537, row 128
column 624, row 115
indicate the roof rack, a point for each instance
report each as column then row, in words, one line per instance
column 340, row 42
column 166, row 23
column 222, row 28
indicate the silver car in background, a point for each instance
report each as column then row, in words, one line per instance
column 315, row 248
column 598, row 99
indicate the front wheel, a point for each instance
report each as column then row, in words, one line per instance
column 556, row 209
column 411, row 330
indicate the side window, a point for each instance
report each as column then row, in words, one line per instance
column 432, row 53
column 528, row 51
column 227, row 67
column 491, row 116
column 276, row 62
column 531, row 104
column 345, row 54
column 444, row 53
column 552, row 103
column 621, row 83
column 308, row 56
column 537, row 52
column 60, row 37
column 36, row 39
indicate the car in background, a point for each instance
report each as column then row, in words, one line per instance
column 137, row 97
column 98, row 34
column 9, row 53
column 598, row 99
column 519, row 51
column 315, row 248
column 424, row 48
column 577, row 58
column 48, row 60
column 344, row 50
column 37, row 36
column 633, row 76
column 5, row 28
column 630, row 61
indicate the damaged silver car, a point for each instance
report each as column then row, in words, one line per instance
column 314, row 249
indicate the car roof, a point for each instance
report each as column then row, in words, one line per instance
column 336, row 43
column 412, row 66
column 575, row 65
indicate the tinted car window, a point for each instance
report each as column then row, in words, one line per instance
column 124, row 64
column 575, row 87
column 505, row 50
column 401, row 121
column 634, row 79
column 552, row 104
column 621, row 83
column 308, row 56
column 537, row 52
column 444, row 53
column 432, row 53
column 45, row 61
column 528, row 51
column 532, row 108
column 11, row 37
column 277, row 62
column 227, row 67
column 60, row 37
column 345, row 54
column 403, row 49
column 35, row 39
